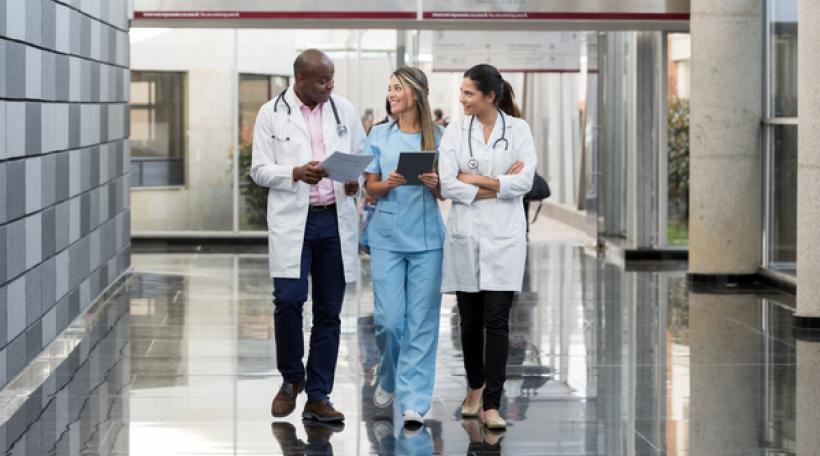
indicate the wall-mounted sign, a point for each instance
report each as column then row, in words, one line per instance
column 274, row 9
column 558, row 52
column 622, row 10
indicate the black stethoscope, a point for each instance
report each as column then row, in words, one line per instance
column 473, row 162
column 341, row 129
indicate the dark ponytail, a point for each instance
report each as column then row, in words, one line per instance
column 488, row 80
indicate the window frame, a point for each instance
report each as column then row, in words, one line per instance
column 183, row 155
column 769, row 123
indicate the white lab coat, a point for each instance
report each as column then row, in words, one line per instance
column 486, row 243
column 282, row 141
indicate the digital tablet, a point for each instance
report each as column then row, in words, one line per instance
column 411, row 164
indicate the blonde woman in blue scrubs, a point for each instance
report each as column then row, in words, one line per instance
column 405, row 236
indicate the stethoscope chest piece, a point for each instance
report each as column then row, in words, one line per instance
column 472, row 163
column 341, row 130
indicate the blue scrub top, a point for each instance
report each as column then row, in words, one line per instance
column 407, row 218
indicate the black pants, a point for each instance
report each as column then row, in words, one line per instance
column 485, row 339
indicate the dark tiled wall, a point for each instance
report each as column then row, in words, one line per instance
column 64, row 196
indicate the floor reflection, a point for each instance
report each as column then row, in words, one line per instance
column 602, row 361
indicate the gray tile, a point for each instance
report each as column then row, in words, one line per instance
column 15, row 26
column 49, row 232
column 48, row 180
column 2, row 27
column 34, row 72
column 85, row 214
column 61, row 217
column 34, row 25
column 34, row 248
column 49, row 78
column 62, row 75
column 74, row 120
column 34, row 341
column 62, row 314
column 49, row 285
column 15, row 129
column 34, row 295
column 16, row 189
column 75, row 30
column 74, row 220
column 16, row 354
column 61, row 188
column 61, row 111
column 3, row 191
column 15, row 70
column 85, row 36
column 85, row 170
column 3, row 256
column 15, row 248
column 76, row 76
column 3, row 68
column 49, row 326
column 34, row 176
column 3, row 316
column 49, row 24
column 63, row 39
column 33, row 126
column 15, row 308
column 62, row 274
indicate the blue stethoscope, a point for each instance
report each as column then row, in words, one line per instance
column 341, row 129
column 473, row 162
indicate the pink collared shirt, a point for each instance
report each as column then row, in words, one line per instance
column 321, row 194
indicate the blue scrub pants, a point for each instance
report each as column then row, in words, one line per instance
column 407, row 288
column 322, row 259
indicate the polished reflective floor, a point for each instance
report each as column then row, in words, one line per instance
column 603, row 361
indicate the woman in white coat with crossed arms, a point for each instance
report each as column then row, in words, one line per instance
column 487, row 162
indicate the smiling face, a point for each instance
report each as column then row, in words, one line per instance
column 315, row 83
column 400, row 96
column 473, row 100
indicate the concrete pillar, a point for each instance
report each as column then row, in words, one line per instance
column 808, row 162
column 725, row 175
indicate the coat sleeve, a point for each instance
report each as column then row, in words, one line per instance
column 264, row 169
column 521, row 183
column 448, row 168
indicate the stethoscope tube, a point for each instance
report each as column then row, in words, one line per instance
column 473, row 162
column 341, row 129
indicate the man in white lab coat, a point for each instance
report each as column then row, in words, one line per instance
column 312, row 226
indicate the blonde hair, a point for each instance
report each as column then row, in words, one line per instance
column 416, row 80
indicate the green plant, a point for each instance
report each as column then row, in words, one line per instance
column 678, row 177
column 256, row 197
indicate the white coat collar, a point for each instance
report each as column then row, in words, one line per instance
column 478, row 131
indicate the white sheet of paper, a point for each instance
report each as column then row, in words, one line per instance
column 342, row 167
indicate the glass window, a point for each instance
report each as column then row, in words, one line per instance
column 254, row 91
column 157, row 128
column 780, row 128
column 677, row 161
column 783, row 58
column 784, row 196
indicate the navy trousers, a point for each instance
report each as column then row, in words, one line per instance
column 322, row 259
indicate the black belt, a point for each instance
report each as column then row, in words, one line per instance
column 323, row 208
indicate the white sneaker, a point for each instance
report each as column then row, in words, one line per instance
column 413, row 418
column 382, row 398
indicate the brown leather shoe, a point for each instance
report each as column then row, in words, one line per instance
column 285, row 400
column 322, row 411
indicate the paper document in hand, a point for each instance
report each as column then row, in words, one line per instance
column 342, row 167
